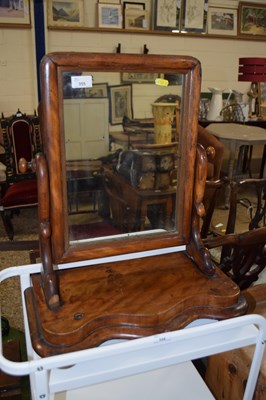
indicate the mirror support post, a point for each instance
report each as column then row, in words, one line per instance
column 49, row 277
column 196, row 250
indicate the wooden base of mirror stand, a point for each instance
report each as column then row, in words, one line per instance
column 127, row 300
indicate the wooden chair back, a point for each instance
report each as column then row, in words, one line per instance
column 22, row 139
column 243, row 254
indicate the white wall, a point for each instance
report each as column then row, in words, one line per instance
column 219, row 57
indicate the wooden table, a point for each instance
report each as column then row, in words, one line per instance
column 126, row 139
column 234, row 136
column 140, row 200
column 82, row 179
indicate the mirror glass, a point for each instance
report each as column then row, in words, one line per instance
column 122, row 143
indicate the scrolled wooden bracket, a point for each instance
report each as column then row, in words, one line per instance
column 49, row 278
column 196, row 249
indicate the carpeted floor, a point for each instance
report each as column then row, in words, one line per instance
column 25, row 227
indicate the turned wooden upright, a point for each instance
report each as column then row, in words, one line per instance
column 74, row 309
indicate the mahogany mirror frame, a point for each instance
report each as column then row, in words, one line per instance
column 52, row 128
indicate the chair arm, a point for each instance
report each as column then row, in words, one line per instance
column 248, row 238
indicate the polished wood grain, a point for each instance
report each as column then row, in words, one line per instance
column 127, row 300
column 227, row 373
column 77, row 308
column 51, row 112
column 242, row 255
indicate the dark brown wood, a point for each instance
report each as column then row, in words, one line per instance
column 127, row 299
column 73, row 309
column 19, row 190
column 19, row 245
column 10, row 386
column 54, row 146
column 243, row 255
column 196, row 250
column 212, row 189
column 227, row 372
column 49, row 277
column 130, row 203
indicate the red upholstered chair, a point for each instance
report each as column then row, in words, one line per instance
column 21, row 139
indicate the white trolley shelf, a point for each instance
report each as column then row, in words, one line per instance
column 157, row 366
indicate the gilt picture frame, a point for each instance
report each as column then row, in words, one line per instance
column 194, row 16
column 65, row 13
column 222, row 21
column 252, row 20
column 133, row 5
column 98, row 90
column 262, row 100
column 136, row 19
column 109, row 15
column 138, row 77
column 167, row 15
column 15, row 14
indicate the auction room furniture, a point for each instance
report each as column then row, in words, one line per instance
column 214, row 166
column 243, row 254
column 83, row 180
column 234, row 136
column 21, row 139
column 126, row 286
column 232, row 367
column 159, row 365
column 136, row 202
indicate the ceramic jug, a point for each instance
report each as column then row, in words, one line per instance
column 216, row 104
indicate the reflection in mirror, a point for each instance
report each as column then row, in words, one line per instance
column 121, row 144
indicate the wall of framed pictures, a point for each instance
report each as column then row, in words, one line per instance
column 211, row 18
column 218, row 53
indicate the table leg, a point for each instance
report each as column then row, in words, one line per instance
column 263, row 163
column 233, row 151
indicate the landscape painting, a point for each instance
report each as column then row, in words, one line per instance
column 65, row 13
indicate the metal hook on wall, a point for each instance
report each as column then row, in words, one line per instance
column 145, row 50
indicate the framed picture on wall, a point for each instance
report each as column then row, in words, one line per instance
column 252, row 19
column 120, row 99
column 109, row 15
column 97, row 90
column 132, row 4
column 194, row 16
column 166, row 15
column 138, row 77
column 110, row 1
column 262, row 99
column 222, row 21
column 68, row 13
column 15, row 13
column 136, row 19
